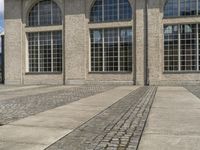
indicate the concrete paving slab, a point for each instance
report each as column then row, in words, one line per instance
column 169, row 142
column 30, row 135
column 179, row 121
column 20, row 146
column 48, row 127
column 174, row 120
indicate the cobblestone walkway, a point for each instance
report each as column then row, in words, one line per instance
column 117, row 128
column 21, row 107
column 194, row 90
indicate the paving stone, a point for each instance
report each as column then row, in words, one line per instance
column 21, row 107
column 115, row 128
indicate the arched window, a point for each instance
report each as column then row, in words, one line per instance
column 111, row 10
column 45, row 12
column 174, row 8
column 45, row 47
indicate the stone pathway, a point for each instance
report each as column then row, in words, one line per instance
column 117, row 128
column 24, row 105
column 41, row 130
column 173, row 123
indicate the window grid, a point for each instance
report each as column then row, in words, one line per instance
column 188, row 48
column 174, row 8
column 198, row 42
column 110, row 10
column 45, row 51
column 111, row 50
column 44, row 13
column 171, row 48
column 181, row 47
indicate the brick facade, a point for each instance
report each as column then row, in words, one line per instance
column 76, row 47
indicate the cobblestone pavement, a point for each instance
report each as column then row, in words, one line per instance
column 194, row 89
column 117, row 128
column 21, row 107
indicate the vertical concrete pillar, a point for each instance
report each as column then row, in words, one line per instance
column 75, row 40
column 13, row 42
column 155, row 40
column 140, row 41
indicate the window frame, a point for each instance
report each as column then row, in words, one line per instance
column 179, row 71
column 53, row 2
column 118, row 49
column 179, row 11
column 44, row 28
column 43, row 58
column 103, row 13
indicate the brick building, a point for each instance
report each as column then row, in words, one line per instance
column 153, row 42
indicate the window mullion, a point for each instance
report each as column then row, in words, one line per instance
column 38, row 52
column 51, row 51
column 103, row 50
column 197, row 7
column 179, row 47
column 118, row 49
column 103, row 15
column 179, row 7
column 38, row 13
column 197, row 32
column 118, row 10
column 51, row 12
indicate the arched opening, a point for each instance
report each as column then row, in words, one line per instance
column 110, row 10
column 44, row 13
column 174, row 8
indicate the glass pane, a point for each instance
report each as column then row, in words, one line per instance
column 45, row 12
column 188, row 47
column 96, row 50
column 111, row 10
column 45, row 51
column 171, row 48
column 171, row 8
column 111, row 50
column 126, row 49
column 188, row 7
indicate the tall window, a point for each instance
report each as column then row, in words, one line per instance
column 181, row 47
column 111, row 48
column 45, row 51
column 174, row 8
column 45, row 48
column 111, row 10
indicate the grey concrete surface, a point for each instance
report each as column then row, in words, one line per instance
column 117, row 128
column 173, row 123
column 43, row 129
column 19, row 104
column 9, row 92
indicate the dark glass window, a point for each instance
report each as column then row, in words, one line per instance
column 45, row 51
column 174, row 8
column 45, row 12
column 110, row 10
column 181, row 47
column 171, row 8
column 171, row 48
column 188, row 47
column 111, row 50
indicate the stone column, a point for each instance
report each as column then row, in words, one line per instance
column 75, row 40
column 140, row 41
column 13, row 42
